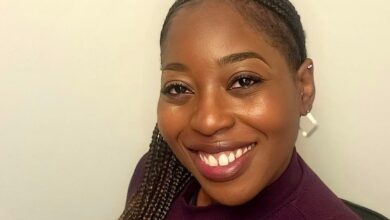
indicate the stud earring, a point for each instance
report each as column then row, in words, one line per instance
column 310, row 66
column 308, row 124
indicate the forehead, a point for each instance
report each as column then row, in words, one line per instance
column 208, row 30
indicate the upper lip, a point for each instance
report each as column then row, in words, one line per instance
column 217, row 147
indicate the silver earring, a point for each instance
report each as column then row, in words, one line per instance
column 310, row 66
column 308, row 124
column 308, row 110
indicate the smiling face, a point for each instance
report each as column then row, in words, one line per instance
column 230, row 103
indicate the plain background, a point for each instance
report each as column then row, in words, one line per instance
column 79, row 82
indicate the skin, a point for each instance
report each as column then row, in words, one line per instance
column 207, row 104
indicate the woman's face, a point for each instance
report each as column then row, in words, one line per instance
column 230, row 104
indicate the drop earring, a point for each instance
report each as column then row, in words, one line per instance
column 308, row 124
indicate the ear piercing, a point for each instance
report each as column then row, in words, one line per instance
column 310, row 66
column 308, row 110
column 306, row 113
column 309, row 107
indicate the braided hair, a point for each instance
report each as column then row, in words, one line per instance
column 165, row 177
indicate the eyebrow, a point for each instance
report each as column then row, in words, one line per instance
column 229, row 59
column 238, row 57
column 175, row 67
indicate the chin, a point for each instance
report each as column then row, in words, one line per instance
column 234, row 201
column 233, row 193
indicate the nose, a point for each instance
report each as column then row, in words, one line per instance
column 212, row 115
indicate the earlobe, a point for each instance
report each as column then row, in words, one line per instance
column 306, row 86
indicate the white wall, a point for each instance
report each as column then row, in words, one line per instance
column 349, row 41
column 79, row 82
column 78, row 87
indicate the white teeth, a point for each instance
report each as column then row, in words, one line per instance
column 238, row 153
column 212, row 161
column 231, row 157
column 206, row 160
column 201, row 157
column 223, row 160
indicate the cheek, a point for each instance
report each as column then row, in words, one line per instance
column 273, row 113
column 165, row 115
column 171, row 120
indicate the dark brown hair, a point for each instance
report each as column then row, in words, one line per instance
column 277, row 19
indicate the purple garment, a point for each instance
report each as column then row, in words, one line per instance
column 297, row 194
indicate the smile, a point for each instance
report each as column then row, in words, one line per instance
column 224, row 158
column 223, row 164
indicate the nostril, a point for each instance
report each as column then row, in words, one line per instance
column 212, row 123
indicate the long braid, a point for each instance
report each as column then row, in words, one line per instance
column 165, row 177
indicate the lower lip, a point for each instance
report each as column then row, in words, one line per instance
column 223, row 173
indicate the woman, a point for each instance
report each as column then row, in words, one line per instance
column 235, row 81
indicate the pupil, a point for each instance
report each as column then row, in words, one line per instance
column 180, row 89
column 245, row 82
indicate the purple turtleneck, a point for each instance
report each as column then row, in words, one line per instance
column 297, row 194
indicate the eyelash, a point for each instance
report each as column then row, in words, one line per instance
column 176, row 85
column 254, row 80
column 181, row 88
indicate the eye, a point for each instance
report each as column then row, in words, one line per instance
column 175, row 89
column 245, row 81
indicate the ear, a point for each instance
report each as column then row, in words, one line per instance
column 305, row 83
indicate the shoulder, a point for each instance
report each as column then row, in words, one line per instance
column 297, row 212
column 137, row 177
column 316, row 201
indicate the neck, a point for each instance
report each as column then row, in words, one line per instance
column 204, row 199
